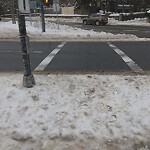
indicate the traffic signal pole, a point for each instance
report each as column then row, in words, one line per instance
column 28, row 78
column 42, row 16
column 23, row 9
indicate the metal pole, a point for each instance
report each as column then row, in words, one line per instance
column 123, row 3
column 28, row 78
column 42, row 16
column 30, row 19
column 57, row 13
column 13, row 11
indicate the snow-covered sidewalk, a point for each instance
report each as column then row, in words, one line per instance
column 75, row 112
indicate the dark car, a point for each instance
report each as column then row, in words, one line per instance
column 97, row 19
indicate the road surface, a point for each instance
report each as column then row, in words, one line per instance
column 78, row 56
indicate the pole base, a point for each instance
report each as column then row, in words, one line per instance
column 28, row 81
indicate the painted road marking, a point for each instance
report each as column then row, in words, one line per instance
column 49, row 58
column 8, row 52
column 134, row 67
column 36, row 52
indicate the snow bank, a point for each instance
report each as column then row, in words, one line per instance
column 8, row 30
column 148, row 11
column 136, row 22
column 78, row 112
column 55, row 31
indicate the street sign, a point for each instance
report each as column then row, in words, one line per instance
column 24, row 6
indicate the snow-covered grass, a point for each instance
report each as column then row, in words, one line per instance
column 75, row 112
column 148, row 11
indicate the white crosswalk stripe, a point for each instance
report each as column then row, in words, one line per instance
column 49, row 58
column 134, row 67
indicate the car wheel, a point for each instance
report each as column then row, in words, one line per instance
column 85, row 22
column 97, row 23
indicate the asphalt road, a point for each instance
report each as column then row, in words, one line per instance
column 78, row 56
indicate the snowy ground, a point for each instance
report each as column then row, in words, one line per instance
column 59, row 32
column 73, row 112
column 136, row 21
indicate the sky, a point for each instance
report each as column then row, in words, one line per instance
column 73, row 111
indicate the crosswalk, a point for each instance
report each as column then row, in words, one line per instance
column 49, row 58
column 80, row 56
column 134, row 67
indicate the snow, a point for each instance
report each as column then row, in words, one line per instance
column 114, row 15
column 65, row 15
column 55, row 31
column 136, row 22
column 73, row 112
column 83, row 112
column 148, row 11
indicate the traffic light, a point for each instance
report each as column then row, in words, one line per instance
column 46, row 1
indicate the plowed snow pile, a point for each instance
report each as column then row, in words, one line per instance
column 57, row 32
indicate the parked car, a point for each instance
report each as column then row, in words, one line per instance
column 97, row 19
